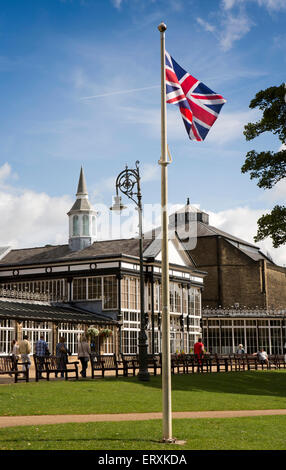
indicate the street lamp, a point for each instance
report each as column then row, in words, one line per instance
column 128, row 182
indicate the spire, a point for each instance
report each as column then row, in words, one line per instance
column 81, row 189
column 82, row 218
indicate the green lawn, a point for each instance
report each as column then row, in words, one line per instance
column 224, row 391
column 257, row 433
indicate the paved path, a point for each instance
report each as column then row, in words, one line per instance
column 6, row 421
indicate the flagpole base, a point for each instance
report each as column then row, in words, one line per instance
column 173, row 441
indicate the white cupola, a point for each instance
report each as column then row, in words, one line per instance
column 82, row 219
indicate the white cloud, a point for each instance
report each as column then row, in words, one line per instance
column 235, row 27
column 230, row 126
column 29, row 218
column 5, row 171
column 117, row 3
column 150, row 172
column 272, row 5
column 207, row 26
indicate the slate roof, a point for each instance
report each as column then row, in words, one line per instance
column 62, row 253
column 47, row 312
column 81, row 205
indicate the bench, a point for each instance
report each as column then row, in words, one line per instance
column 131, row 362
column 49, row 365
column 105, row 362
column 9, row 366
column 278, row 360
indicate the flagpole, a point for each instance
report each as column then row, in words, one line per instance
column 166, row 356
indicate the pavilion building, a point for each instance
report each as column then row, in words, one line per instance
column 244, row 296
column 62, row 290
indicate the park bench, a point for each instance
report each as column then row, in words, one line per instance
column 105, row 362
column 221, row 362
column 238, row 362
column 9, row 366
column 48, row 365
column 131, row 362
column 278, row 360
column 204, row 363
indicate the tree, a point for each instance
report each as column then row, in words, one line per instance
column 269, row 167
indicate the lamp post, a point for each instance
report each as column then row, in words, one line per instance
column 128, row 182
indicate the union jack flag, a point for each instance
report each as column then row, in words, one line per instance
column 199, row 105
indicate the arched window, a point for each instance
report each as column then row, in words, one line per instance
column 75, row 225
column 93, row 225
column 85, row 223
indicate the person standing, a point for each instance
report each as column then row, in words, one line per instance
column 199, row 348
column 42, row 350
column 62, row 353
column 83, row 354
column 24, row 350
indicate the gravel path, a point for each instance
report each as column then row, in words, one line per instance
column 6, row 421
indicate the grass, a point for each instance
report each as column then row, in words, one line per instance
column 256, row 433
column 231, row 391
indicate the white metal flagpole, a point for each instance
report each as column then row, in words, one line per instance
column 166, row 357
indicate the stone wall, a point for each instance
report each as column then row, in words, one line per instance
column 276, row 286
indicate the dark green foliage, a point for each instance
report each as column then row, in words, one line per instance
column 269, row 167
column 273, row 225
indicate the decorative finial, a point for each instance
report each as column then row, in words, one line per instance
column 162, row 27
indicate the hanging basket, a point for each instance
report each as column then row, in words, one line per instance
column 92, row 332
column 105, row 333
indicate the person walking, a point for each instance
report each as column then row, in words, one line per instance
column 25, row 350
column 42, row 351
column 14, row 349
column 62, row 353
column 83, row 354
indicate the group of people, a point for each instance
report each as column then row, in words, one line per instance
column 23, row 349
column 262, row 355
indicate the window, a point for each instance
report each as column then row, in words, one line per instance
column 109, row 292
column 75, row 226
column 124, row 293
column 93, row 225
column 34, row 330
column 79, row 289
column 94, row 288
column 85, row 225
column 130, row 293
column 7, row 334
column 197, row 302
column 72, row 333
column 191, row 301
column 49, row 290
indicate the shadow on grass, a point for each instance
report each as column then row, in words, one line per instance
column 270, row 383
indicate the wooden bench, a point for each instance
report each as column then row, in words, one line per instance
column 278, row 360
column 9, row 366
column 105, row 362
column 131, row 362
column 49, row 365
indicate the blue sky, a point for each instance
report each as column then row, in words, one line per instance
column 68, row 71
